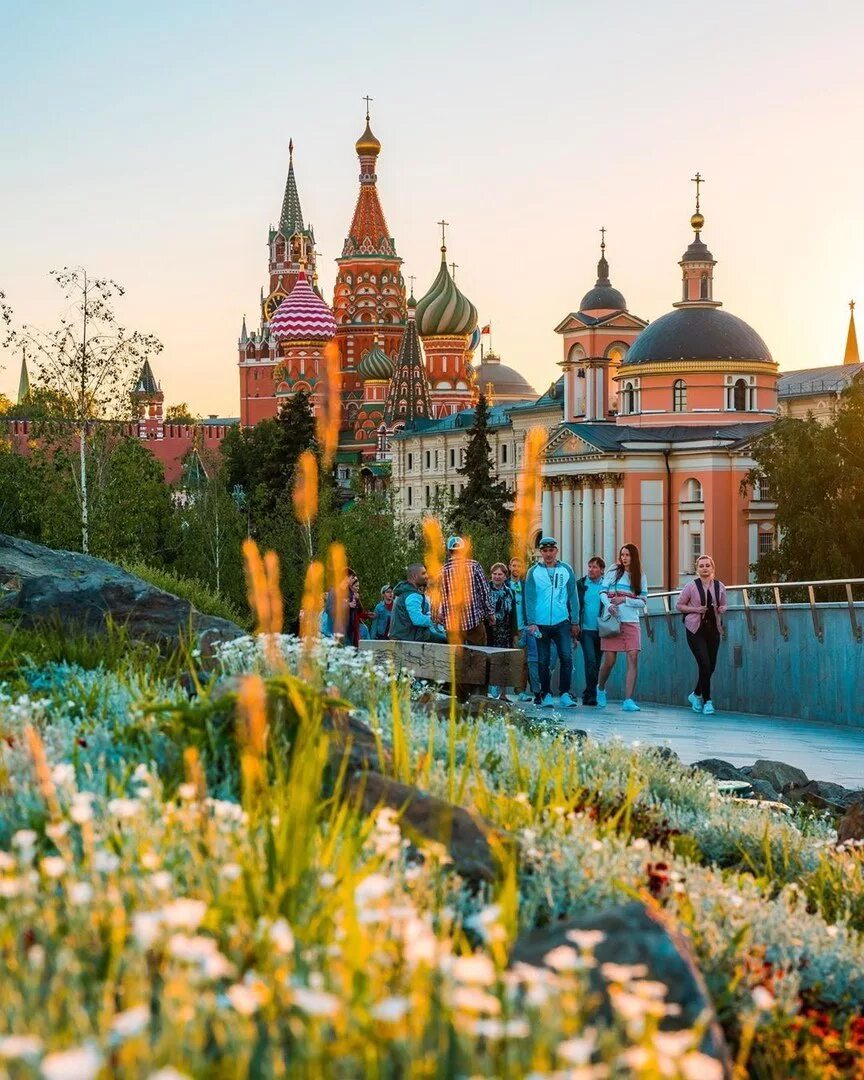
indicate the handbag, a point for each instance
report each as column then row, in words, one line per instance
column 609, row 622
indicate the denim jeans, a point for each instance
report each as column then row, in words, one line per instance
column 559, row 634
column 529, row 643
column 590, row 641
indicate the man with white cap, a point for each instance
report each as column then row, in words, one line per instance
column 466, row 605
column 552, row 614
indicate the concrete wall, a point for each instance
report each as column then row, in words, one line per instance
column 800, row 677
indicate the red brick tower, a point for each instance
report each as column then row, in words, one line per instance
column 369, row 297
column 148, row 399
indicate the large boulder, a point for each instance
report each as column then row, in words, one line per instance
column 720, row 770
column 469, row 839
column 635, row 935
column 779, row 775
column 46, row 586
column 824, row 796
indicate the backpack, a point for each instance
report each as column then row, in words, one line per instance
column 702, row 598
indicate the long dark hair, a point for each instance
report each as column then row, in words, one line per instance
column 634, row 570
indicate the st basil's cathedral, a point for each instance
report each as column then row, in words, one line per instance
column 380, row 333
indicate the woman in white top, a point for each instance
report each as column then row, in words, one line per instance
column 625, row 589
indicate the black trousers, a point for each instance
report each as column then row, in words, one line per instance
column 704, row 645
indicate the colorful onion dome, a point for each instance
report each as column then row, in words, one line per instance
column 444, row 311
column 474, row 340
column 303, row 315
column 376, row 364
column 367, row 143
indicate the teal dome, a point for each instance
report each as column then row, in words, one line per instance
column 376, row 364
column 444, row 310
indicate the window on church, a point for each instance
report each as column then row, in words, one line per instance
column 628, row 399
column 428, row 495
column 766, row 543
column 410, row 496
column 739, row 396
column 452, row 458
column 504, row 453
column 428, row 459
column 695, row 546
column 410, row 462
column 679, row 396
column 704, row 288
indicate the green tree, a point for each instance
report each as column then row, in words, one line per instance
column 180, row 414
column 133, row 505
column 18, row 499
column 815, row 473
column 484, row 498
column 379, row 545
column 88, row 364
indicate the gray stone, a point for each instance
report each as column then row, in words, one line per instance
column 763, row 790
column 778, row 774
column 636, row 935
column 851, row 825
column 824, row 796
column 42, row 586
column 720, row 770
column 465, row 835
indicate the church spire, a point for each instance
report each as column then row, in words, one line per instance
column 368, row 234
column 851, row 355
column 291, row 218
column 24, row 380
column 697, row 263
column 602, row 265
column 408, row 398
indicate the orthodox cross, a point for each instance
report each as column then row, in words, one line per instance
column 852, row 306
column 602, row 237
column 443, row 225
column 411, row 279
column 453, row 268
column 697, row 180
column 367, row 99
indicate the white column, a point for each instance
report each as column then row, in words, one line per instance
column 608, row 523
column 546, row 510
column 566, row 540
column 619, row 531
column 587, row 521
column 578, row 563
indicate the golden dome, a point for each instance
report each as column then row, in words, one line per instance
column 697, row 222
column 367, row 143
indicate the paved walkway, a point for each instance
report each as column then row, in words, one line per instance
column 823, row 751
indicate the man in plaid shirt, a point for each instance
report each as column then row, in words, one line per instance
column 465, row 600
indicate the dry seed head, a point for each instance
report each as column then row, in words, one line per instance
column 306, row 487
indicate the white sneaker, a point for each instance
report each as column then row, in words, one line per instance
column 494, row 693
column 629, row 705
column 601, row 698
column 548, row 702
column 695, row 702
column 708, row 708
column 567, row 702
column 526, row 695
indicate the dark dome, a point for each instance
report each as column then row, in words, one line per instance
column 504, row 379
column 696, row 333
column 603, row 296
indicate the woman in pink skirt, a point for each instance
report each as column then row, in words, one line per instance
column 625, row 588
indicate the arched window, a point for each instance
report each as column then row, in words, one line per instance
column 691, row 491
column 628, row 399
column 577, row 352
column 704, row 288
column 679, row 396
column 739, row 396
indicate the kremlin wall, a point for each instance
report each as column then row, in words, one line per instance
column 650, row 425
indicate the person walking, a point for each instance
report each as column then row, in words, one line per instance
column 343, row 620
column 466, row 606
column 382, row 614
column 504, row 628
column 412, row 617
column 588, row 589
column 625, row 592
column 525, row 641
column 552, row 614
column 703, row 604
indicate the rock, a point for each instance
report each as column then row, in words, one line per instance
column 475, row 707
column 720, row 770
column 44, row 586
column 778, row 774
column 636, row 935
column 763, row 790
column 851, row 825
column 357, row 739
column 424, row 817
column 824, row 796
column 666, row 753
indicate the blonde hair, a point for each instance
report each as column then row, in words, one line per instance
column 708, row 557
column 497, row 566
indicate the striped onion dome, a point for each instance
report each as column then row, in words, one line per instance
column 474, row 341
column 444, row 310
column 303, row 315
column 376, row 364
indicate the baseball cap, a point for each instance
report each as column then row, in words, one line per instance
column 454, row 542
column 548, row 541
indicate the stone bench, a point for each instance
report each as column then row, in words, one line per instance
column 475, row 665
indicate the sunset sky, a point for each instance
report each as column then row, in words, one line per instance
column 149, row 143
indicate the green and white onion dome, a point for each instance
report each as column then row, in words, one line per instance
column 376, row 364
column 444, row 310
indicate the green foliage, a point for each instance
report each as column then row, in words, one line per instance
column 815, row 472
column 484, row 499
column 379, row 545
column 200, row 596
column 19, row 507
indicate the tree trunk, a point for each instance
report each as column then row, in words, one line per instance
column 85, row 515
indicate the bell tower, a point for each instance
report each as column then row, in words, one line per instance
column 697, row 263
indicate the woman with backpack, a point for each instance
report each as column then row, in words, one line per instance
column 623, row 600
column 703, row 603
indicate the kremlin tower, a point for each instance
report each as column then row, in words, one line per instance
column 369, row 296
column 446, row 321
column 301, row 327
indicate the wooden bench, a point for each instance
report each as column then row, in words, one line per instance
column 476, row 665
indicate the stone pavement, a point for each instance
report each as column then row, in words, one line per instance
column 823, row 751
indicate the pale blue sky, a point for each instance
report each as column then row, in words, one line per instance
column 149, row 143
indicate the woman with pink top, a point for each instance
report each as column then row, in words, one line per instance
column 703, row 602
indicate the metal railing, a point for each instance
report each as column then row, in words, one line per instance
column 759, row 597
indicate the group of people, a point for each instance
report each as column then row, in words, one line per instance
column 545, row 611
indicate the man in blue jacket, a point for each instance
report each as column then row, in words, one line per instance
column 552, row 614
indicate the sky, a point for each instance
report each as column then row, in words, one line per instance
column 149, row 143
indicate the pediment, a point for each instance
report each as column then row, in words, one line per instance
column 565, row 444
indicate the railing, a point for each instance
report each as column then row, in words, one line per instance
column 752, row 601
